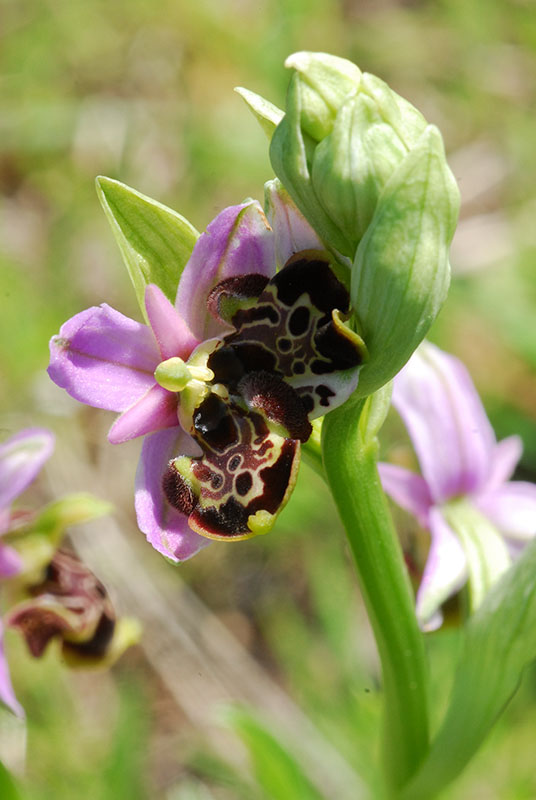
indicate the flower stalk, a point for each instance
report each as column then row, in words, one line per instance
column 349, row 453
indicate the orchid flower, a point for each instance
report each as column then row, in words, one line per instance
column 70, row 604
column 21, row 458
column 66, row 598
column 226, row 380
column 478, row 519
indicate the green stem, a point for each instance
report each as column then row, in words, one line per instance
column 350, row 464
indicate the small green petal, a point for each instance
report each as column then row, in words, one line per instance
column 268, row 116
column 155, row 241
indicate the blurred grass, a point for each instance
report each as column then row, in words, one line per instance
column 143, row 92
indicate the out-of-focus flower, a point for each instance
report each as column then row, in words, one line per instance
column 478, row 519
column 72, row 605
column 69, row 600
column 226, row 380
column 21, row 458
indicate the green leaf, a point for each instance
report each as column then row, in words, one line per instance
column 276, row 771
column 267, row 115
column 500, row 641
column 155, row 241
column 8, row 788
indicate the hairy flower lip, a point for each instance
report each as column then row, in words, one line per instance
column 268, row 394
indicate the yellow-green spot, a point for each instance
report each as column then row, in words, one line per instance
column 261, row 522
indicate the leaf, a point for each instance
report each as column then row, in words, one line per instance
column 267, row 115
column 277, row 772
column 500, row 642
column 155, row 241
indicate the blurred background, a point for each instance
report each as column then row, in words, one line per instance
column 143, row 92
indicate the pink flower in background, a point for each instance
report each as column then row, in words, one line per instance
column 243, row 347
column 478, row 519
column 21, row 458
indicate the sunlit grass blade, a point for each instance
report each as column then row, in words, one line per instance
column 276, row 771
column 8, row 788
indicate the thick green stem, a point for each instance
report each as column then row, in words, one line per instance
column 350, row 464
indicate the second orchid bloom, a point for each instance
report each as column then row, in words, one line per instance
column 479, row 520
column 225, row 381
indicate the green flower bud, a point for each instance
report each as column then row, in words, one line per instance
column 317, row 89
column 370, row 176
column 343, row 135
column 321, row 84
column 400, row 274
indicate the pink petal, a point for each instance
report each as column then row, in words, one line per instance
column 506, row 455
column 292, row 231
column 511, row 508
column 103, row 358
column 165, row 527
column 5, row 519
column 155, row 410
column 446, row 421
column 7, row 695
column 238, row 241
column 407, row 489
column 10, row 561
column 171, row 332
column 21, row 458
column 444, row 574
